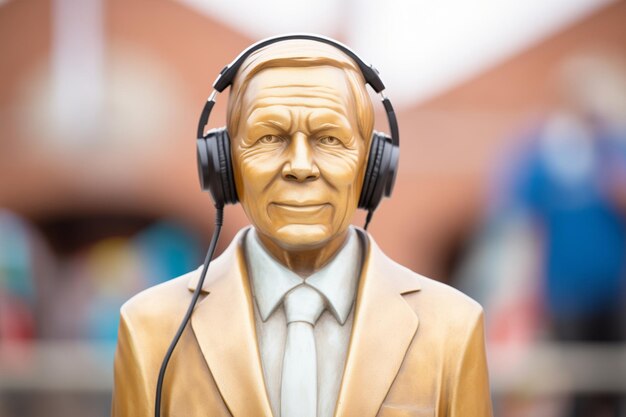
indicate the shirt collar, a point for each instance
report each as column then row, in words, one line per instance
column 336, row 281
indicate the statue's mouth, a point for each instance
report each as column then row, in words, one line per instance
column 300, row 213
column 301, row 208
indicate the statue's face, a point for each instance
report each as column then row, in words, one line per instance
column 298, row 155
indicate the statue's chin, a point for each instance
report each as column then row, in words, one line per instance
column 302, row 236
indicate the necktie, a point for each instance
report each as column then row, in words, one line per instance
column 298, row 395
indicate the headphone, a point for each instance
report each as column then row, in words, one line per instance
column 215, row 167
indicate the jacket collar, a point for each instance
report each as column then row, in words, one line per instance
column 383, row 328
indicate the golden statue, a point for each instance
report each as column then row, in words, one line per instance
column 303, row 315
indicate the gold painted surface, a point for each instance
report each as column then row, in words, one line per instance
column 300, row 121
column 417, row 347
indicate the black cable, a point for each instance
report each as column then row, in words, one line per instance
column 368, row 219
column 219, row 217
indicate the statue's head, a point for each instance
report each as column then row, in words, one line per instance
column 300, row 122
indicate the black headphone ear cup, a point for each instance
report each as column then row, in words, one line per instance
column 392, row 170
column 381, row 171
column 226, row 167
column 372, row 170
column 215, row 167
column 203, row 158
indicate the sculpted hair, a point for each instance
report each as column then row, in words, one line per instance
column 302, row 53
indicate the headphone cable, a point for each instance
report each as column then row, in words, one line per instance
column 368, row 219
column 219, row 217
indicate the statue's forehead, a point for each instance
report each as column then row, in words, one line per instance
column 296, row 81
column 322, row 87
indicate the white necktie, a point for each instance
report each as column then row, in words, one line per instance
column 298, row 395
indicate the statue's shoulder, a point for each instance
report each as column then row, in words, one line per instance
column 445, row 313
column 160, row 304
column 437, row 294
column 424, row 295
column 173, row 296
column 448, row 299
column 428, row 297
column 164, row 305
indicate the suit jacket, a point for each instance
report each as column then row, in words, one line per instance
column 417, row 347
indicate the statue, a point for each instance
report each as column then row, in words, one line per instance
column 303, row 315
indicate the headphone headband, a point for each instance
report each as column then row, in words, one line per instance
column 227, row 75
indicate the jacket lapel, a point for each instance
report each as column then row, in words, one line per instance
column 384, row 326
column 223, row 323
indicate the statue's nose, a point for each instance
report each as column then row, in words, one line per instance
column 300, row 165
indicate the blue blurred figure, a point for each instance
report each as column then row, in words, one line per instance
column 571, row 183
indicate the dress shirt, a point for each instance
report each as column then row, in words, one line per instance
column 336, row 282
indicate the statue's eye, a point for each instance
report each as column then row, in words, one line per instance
column 330, row 140
column 270, row 140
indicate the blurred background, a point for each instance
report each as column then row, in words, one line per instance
column 512, row 182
